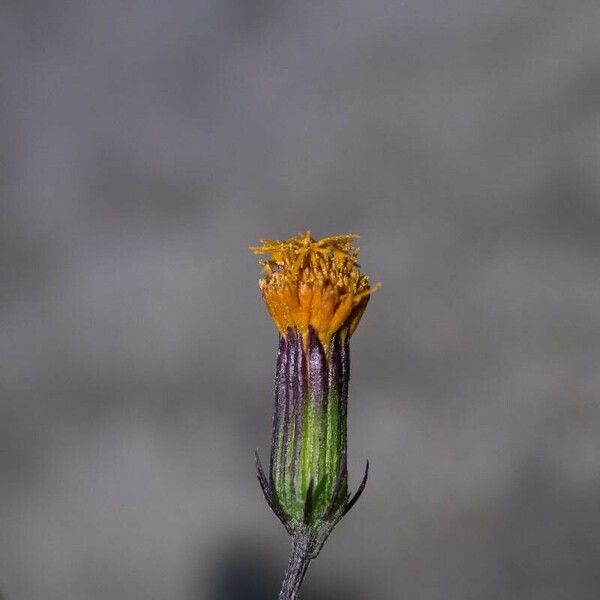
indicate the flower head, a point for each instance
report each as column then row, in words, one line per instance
column 309, row 283
column 316, row 295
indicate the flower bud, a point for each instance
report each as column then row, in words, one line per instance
column 316, row 295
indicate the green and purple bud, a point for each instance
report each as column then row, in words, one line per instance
column 316, row 296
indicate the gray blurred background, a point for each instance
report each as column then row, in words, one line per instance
column 144, row 145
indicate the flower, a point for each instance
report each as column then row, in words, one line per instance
column 316, row 296
column 318, row 284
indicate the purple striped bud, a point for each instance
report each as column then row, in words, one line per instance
column 316, row 296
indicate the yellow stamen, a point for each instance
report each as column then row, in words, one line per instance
column 314, row 283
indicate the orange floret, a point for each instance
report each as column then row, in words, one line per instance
column 314, row 283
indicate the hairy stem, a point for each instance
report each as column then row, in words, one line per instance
column 297, row 567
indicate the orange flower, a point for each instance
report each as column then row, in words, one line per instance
column 314, row 283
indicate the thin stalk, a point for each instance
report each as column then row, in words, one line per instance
column 297, row 567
